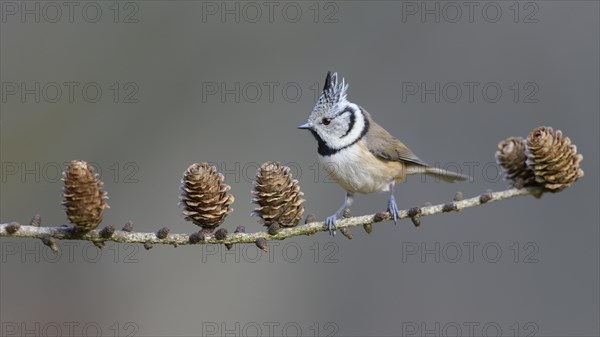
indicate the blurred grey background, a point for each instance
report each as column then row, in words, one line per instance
column 145, row 88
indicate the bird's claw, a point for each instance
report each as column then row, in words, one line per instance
column 393, row 209
column 331, row 224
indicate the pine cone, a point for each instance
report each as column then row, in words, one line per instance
column 84, row 199
column 553, row 159
column 277, row 195
column 204, row 196
column 511, row 157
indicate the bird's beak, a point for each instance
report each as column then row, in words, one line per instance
column 305, row 126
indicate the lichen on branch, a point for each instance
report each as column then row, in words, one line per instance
column 125, row 236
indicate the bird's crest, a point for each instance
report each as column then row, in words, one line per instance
column 333, row 93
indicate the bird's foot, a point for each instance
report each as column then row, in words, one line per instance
column 393, row 209
column 331, row 224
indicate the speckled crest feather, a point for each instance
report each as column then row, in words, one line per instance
column 333, row 93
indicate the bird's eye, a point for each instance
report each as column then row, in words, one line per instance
column 326, row 121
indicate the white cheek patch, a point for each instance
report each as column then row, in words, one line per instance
column 339, row 128
column 355, row 132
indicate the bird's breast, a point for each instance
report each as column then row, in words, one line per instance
column 357, row 170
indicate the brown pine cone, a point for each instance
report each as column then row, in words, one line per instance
column 553, row 159
column 84, row 199
column 277, row 195
column 205, row 196
column 511, row 157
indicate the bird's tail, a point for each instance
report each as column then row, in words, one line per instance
column 437, row 172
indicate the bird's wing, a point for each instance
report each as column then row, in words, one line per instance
column 383, row 145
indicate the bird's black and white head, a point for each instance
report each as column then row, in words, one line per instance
column 335, row 122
